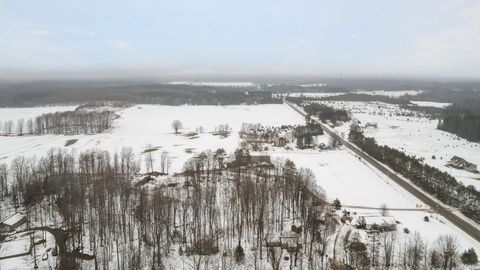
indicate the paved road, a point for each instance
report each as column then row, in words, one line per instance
column 459, row 221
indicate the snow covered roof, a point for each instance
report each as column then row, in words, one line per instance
column 12, row 220
column 378, row 220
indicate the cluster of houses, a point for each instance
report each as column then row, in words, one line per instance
column 460, row 163
column 255, row 135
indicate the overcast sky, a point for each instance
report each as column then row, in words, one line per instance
column 413, row 38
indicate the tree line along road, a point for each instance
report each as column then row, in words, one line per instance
column 457, row 220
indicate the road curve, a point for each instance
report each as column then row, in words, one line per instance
column 458, row 221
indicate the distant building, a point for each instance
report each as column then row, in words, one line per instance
column 382, row 222
column 371, row 124
column 460, row 163
column 11, row 223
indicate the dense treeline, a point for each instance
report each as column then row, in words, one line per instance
column 465, row 126
column 75, row 92
column 463, row 119
column 207, row 96
column 368, row 98
column 69, row 122
column 437, row 183
column 73, row 122
column 326, row 113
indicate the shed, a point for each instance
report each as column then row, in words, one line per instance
column 11, row 223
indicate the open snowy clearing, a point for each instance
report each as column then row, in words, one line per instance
column 344, row 176
column 431, row 104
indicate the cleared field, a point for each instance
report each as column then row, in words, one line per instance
column 144, row 125
column 416, row 136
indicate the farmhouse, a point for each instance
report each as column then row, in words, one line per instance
column 260, row 160
column 11, row 223
column 382, row 222
column 460, row 163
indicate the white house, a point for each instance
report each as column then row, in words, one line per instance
column 383, row 222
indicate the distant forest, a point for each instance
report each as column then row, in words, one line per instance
column 463, row 116
column 63, row 92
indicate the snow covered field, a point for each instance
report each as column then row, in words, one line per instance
column 142, row 125
column 359, row 187
column 416, row 136
column 345, row 177
column 431, row 104
column 391, row 93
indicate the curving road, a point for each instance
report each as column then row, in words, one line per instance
column 457, row 220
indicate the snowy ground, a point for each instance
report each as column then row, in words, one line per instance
column 429, row 231
column 391, row 93
column 416, row 136
column 142, row 125
column 21, row 244
column 345, row 177
column 431, row 104
column 339, row 172
column 314, row 95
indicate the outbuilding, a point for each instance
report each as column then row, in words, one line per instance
column 382, row 222
column 12, row 222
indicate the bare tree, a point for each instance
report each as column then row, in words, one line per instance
column 165, row 162
column 447, row 247
column 20, row 125
column 8, row 126
column 30, row 128
column 387, row 243
column 176, row 125
column 415, row 249
column 149, row 158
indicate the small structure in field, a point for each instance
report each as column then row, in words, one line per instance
column 371, row 124
column 12, row 222
column 460, row 163
column 387, row 223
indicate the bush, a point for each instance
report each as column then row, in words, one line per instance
column 426, row 219
column 239, row 254
column 469, row 257
column 406, row 230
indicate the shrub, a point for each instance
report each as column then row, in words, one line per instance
column 426, row 219
column 406, row 230
column 469, row 257
column 337, row 204
column 239, row 254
